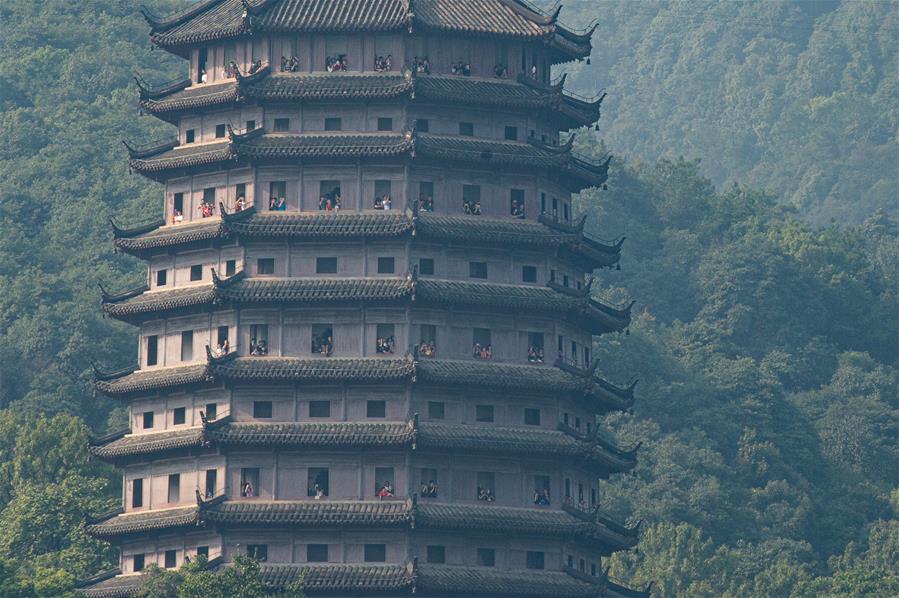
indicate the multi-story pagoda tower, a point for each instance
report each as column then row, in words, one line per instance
column 365, row 336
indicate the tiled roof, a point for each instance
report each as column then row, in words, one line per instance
column 484, row 581
column 143, row 522
column 191, row 98
column 315, row 369
column 317, row 225
column 144, row 444
column 311, row 146
column 349, row 579
column 151, row 302
column 315, row 434
column 117, row 586
column 153, row 379
column 330, row 86
column 319, row 514
column 181, row 157
column 229, row 18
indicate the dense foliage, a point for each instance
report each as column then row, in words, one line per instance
column 766, row 347
column 196, row 580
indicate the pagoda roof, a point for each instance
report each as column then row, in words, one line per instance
column 590, row 451
column 404, row 578
column 589, row 527
column 223, row 19
column 140, row 304
column 426, row 226
column 559, row 162
column 524, row 93
column 600, row 394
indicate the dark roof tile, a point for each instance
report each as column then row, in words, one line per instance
column 312, row 513
column 143, row 444
column 315, row 434
column 143, row 522
column 153, row 379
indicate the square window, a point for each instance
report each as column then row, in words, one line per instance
column 316, row 553
column 162, row 277
column 466, row 129
column 385, row 124
column 384, row 482
column 174, row 493
column 326, row 265
column 318, row 482
column 262, row 409
column 258, row 552
column 534, row 559
column 319, row 408
column 196, row 272
column 211, row 411
column 187, row 345
column 171, row 559
column 436, row 554
column 265, row 266
column 486, row 490
column 152, row 350
column 322, row 339
column 529, row 274
column 376, row 408
column 532, row 417
column 137, row 562
column 190, row 136
column 386, row 265
column 422, row 125
column 230, row 267
column 426, row 266
column 477, row 269
column 179, row 416
column 512, row 133
column 282, row 125
column 375, row 553
column 137, row 493
column 203, row 551
column 436, row 410
column 148, row 420
column 385, row 339
column 483, row 413
column 219, row 131
column 251, row 125
column 486, row 557
column 333, row 124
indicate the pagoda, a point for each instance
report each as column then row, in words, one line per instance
column 365, row 336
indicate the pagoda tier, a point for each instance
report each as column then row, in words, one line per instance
column 550, row 101
column 407, row 579
column 365, row 335
column 563, row 380
column 556, row 163
column 569, row 242
column 213, row 20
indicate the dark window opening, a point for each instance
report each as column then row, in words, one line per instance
column 179, row 416
column 426, row 266
column 535, row 347
column 219, row 131
column 202, row 58
column 483, row 413
column 333, row 124
column 375, row 553
column 383, row 198
column 384, row 482
column 137, row 493
column 385, row 124
column 429, row 487
column 221, row 339
column 178, row 207
column 174, row 493
column 436, row 410
column 187, row 345
column 211, row 411
column 277, row 196
column 319, row 408
column 436, row 554
column 512, row 133
column 265, row 266
column 534, row 559
column 258, row 552
column 385, row 339
column 426, row 196
column 152, row 350
column 329, row 196
column 386, row 265
column 486, row 557
column 422, row 125
column 251, row 125
column 376, row 408
column 466, row 129
column 190, row 136
column 138, row 561
column 541, row 490
column 481, row 344
column 323, row 339
column 486, row 489
column 162, row 277
column 259, row 339
column 230, row 267
column 203, row 551
column 318, row 482
column 148, row 420
column 211, row 482
column 171, row 559
column 471, row 200
column 516, row 203
column 196, row 272
column 532, row 417
column 477, row 269
column 249, row 482
column 529, row 273
column 262, row 409
column 427, row 346
column 282, row 125
column 326, row 265
column 316, row 553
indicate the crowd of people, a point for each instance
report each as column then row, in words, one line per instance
column 535, row 354
column 290, row 65
column 427, row 349
column 221, row 349
column 383, row 202
column 335, row 64
column 472, row 208
column 277, row 204
column 541, row 497
column 386, row 345
column 429, row 490
column 461, row 68
column 386, row 490
column 383, row 64
column 486, row 494
column 426, row 204
column 323, row 344
column 329, row 202
column 259, row 347
column 501, row 71
column 482, row 351
column 517, row 209
column 422, row 65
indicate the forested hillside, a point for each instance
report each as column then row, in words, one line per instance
column 797, row 98
column 766, row 346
